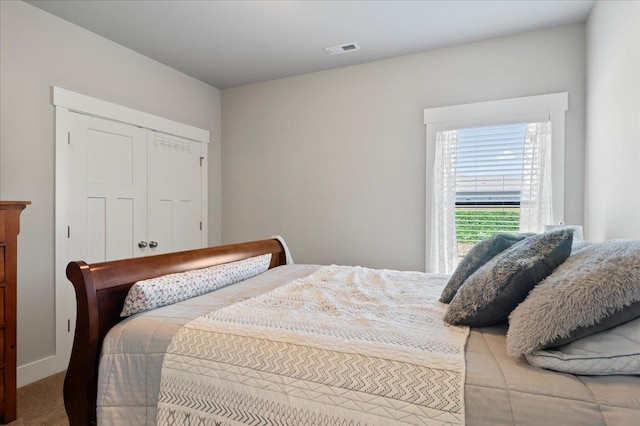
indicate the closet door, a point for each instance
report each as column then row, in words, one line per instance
column 107, row 181
column 174, row 193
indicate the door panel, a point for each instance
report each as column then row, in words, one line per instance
column 161, row 225
column 110, row 228
column 187, row 234
column 120, row 243
column 108, row 177
column 96, row 229
column 110, row 157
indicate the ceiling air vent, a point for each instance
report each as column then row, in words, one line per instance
column 343, row 48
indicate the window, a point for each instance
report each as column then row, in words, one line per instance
column 489, row 169
column 489, row 166
column 497, row 179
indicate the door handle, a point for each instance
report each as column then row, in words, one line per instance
column 142, row 244
column 153, row 244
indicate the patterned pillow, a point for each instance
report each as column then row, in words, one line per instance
column 489, row 295
column 480, row 254
column 168, row 289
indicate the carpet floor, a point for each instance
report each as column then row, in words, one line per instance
column 41, row 403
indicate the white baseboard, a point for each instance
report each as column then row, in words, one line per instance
column 37, row 370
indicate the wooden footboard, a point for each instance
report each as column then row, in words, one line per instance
column 100, row 292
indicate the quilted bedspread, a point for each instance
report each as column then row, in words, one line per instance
column 342, row 346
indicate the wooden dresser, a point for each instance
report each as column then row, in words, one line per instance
column 9, row 230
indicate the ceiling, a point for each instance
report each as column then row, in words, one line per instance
column 232, row 43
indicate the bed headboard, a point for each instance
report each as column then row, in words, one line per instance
column 101, row 289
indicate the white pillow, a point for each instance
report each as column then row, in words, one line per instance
column 614, row 351
column 168, row 289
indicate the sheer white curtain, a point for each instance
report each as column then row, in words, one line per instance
column 444, row 248
column 535, row 195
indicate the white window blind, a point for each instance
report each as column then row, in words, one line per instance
column 489, row 165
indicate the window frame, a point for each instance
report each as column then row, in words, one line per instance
column 550, row 107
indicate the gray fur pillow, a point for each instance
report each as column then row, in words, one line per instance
column 595, row 289
column 480, row 254
column 489, row 295
column 579, row 246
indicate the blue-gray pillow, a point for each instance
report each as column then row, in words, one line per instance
column 489, row 295
column 479, row 254
column 595, row 289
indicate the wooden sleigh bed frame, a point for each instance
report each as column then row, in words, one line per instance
column 101, row 289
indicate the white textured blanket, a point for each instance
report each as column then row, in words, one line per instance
column 343, row 346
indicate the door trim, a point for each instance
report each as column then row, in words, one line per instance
column 65, row 101
column 110, row 111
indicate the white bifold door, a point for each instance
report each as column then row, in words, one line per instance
column 132, row 191
column 174, row 202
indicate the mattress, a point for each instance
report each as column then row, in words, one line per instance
column 498, row 389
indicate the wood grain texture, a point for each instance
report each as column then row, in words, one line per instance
column 9, row 230
column 101, row 289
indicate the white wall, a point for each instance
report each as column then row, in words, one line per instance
column 612, row 204
column 38, row 51
column 335, row 160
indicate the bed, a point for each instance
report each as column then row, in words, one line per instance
column 114, row 371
